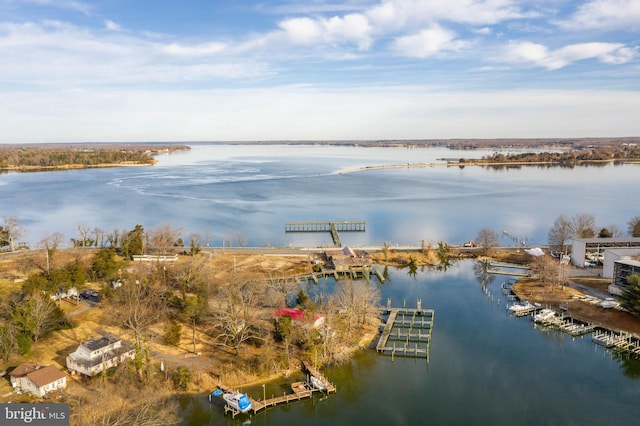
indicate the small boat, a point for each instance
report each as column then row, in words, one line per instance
column 238, row 401
column 544, row 315
column 521, row 307
column 318, row 384
column 609, row 303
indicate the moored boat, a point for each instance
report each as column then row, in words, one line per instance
column 544, row 315
column 609, row 303
column 238, row 401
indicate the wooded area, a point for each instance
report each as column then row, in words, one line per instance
column 52, row 156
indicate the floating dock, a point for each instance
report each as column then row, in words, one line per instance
column 406, row 332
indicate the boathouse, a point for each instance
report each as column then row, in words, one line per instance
column 622, row 269
column 346, row 260
column 584, row 248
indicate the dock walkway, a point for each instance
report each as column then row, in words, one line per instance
column 331, row 227
column 301, row 390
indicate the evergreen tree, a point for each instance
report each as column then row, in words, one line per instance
column 630, row 299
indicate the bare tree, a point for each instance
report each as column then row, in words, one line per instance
column 83, row 230
column 561, row 233
column 356, row 299
column 163, row 238
column 633, row 226
column 236, row 317
column 584, row 225
column 138, row 305
column 615, row 231
column 44, row 314
column 242, row 239
column 51, row 242
column 113, row 238
column 487, row 239
column 99, row 235
column 13, row 230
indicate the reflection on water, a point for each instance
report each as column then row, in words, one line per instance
column 254, row 190
column 486, row 367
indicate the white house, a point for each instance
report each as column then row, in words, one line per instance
column 36, row 379
column 101, row 353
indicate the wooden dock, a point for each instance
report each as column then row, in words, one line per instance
column 331, row 227
column 406, row 332
column 510, row 273
column 495, row 264
column 300, row 390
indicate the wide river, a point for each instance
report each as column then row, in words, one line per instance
column 251, row 191
column 486, row 367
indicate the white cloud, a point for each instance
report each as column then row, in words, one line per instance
column 539, row 55
column 605, row 14
column 112, row 26
column 351, row 28
column 54, row 55
column 202, row 49
column 396, row 14
column 427, row 42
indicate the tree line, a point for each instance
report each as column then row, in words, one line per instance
column 86, row 155
column 572, row 157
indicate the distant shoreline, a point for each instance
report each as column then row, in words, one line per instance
column 481, row 163
column 27, row 169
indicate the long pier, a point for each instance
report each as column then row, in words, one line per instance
column 404, row 327
column 331, row 227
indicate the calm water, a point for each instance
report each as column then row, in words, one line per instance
column 486, row 367
column 229, row 190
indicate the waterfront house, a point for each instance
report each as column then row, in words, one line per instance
column 347, row 260
column 298, row 315
column 101, row 353
column 36, row 379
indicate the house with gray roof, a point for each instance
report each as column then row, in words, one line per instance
column 98, row 354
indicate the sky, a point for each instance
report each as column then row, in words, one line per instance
column 245, row 70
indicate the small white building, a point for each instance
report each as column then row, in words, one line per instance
column 101, row 353
column 36, row 379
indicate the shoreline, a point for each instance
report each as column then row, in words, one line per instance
column 28, row 169
column 482, row 163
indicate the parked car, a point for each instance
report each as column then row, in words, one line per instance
column 469, row 244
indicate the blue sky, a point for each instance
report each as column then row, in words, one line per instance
column 123, row 70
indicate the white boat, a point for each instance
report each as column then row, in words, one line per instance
column 609, row 303
column 318, row 384
column 544, row 315
column 523, row 306
column 238, row 401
